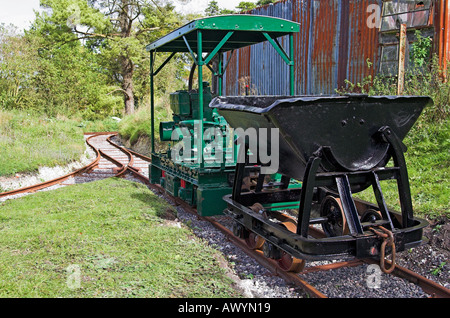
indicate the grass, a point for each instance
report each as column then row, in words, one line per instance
column 114, row 235
column 106, row 125
column 29, row 141
column 139, row 124
column 428, row 163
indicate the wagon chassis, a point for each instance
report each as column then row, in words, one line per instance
column 362, row 241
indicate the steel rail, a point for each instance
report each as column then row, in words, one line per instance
column 432, row 288
column 140, row 155
column 271, row 265
column 126, row 151
column 130, row 168
column 257, row 255
column 58, row 180
column 122, row 167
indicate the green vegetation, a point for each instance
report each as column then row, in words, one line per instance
column 424, row 78
column 53, row 80
column 28, row 142
column 428, row 163
column 116, row 234
column 214, row 9
column 139, row 124
column 85, row 58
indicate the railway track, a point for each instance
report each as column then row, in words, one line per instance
column 112, row 160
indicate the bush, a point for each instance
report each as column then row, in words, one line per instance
column 139, row 124
column 424, row 78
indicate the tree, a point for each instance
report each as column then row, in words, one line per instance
column 212, row 8
column 264, row 2
column 17, row 63
column 66, row 79
column 117, row 30
column 246, row 6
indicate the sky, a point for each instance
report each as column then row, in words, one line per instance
column 20, row 12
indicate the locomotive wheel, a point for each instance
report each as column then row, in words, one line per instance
column 257, row 207
column 287, row 262
column 336, row 225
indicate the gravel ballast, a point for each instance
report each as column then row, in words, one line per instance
column 365, row 281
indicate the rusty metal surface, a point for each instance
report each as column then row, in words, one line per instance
column 334, row 44
column 430, row 287
column 401, row 60
column 447, row 32
column 443, row 32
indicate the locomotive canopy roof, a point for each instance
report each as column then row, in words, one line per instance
column 215, row 35
column 246, row 30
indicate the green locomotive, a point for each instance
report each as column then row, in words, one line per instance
column 199, row 167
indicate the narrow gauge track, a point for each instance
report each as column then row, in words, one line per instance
column 113, row 160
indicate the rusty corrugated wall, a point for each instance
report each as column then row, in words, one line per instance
column 447, row 33
column 442, row 32
column 334, row 44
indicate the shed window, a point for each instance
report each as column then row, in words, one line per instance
column 389, row 60
column 413, row 13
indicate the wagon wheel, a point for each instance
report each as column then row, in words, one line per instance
column 336, row 224
column 254, row 241
column 371, row 215
column 287, row 262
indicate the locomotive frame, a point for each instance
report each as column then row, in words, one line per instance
column 200, row 183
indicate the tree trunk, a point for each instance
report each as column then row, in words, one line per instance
column 127, row 85
column 125, row 24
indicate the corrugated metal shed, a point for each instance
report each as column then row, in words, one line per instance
column 443, row 32
column 334, row 44
column 447, row 32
